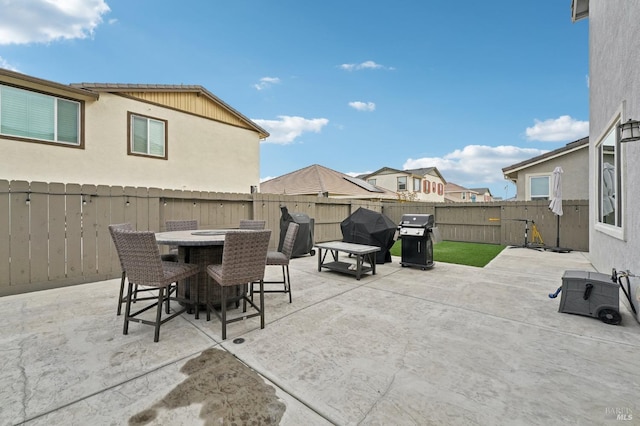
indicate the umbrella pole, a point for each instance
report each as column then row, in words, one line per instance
column 557, row 248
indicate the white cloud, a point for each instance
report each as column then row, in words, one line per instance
column 356, row 174
column 266, row 82
column 371, row 65
column 6, row 65
column 363, row 106
column 287, row 128
column 475, row 165
column 563, row 128
column 43, row 21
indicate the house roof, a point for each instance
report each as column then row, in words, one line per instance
column 452, row 187
column 18, row 79
column 568, row 148
column 424, row 171
column 410, row 172
column 197, row 91
column 481, row 190
column 319, row 180
column 385, row 171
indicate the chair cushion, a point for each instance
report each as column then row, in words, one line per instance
column 277, row 258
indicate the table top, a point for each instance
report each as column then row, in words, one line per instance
column 352, row 248
column 198, row 237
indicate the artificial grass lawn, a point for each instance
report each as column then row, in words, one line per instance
column 471, row 254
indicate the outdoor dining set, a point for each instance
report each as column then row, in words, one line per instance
column 210, row 269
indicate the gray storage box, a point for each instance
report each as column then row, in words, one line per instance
column 592, row 294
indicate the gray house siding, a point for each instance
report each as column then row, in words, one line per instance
column 575, row 166
column 614, row 74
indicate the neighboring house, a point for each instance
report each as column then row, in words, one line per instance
column 459, row 194
column 163, row 136
column 484, row 194
column 534, row 177
column 324, row 182
column 425, row 184
column 614, row 98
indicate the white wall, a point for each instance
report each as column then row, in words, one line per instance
column 203, row 155
column 614, row 75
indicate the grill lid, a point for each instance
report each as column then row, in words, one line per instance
column 417, row 221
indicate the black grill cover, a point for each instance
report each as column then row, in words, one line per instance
column 368, row 227
column 304, row 239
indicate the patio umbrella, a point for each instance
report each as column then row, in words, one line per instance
column 556, row 206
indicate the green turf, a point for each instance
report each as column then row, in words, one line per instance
column 472, row 254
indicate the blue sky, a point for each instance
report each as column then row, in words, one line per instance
column 466, row 86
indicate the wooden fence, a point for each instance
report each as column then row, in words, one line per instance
column 55, row 234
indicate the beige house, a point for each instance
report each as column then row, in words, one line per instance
column 534, row 177
column 459, row 194
column 425, row 184
column 484, row 194
column 164, row 136
column 324, row 182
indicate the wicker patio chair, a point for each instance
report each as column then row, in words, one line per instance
column 140, row 256
column 178, row 225
column 243, row 261
column 121, row 297
column 282, row 259
column 181, row 225
column 252, row 224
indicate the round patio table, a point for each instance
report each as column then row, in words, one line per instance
column 201, row 247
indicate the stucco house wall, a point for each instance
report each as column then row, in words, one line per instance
column 202, row 154
column 614, row 77
column 575, row 177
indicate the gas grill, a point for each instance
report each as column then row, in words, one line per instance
column 415, row 231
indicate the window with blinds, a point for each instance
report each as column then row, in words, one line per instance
column 147, row 136
column 30, row 115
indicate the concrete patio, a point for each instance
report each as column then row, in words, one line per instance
column 451, row 345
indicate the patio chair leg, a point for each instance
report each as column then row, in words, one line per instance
column 156, row 336
column 121, row 297
column 196, row 296
column 244, row 300
column 135, row 293
column 261, row 304
column 223, row 307
column 207, row 303
column 127, row 310
column 287, row 283
column 168, row 299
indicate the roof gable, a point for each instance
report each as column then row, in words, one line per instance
column 567, row 149
column 427, row 171
column 192, row 99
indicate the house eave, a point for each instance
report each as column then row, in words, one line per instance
column 17, row 79
column 569, row 148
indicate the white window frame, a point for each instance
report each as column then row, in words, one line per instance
column 132, row 117
column 614, row 230
column 402, row 181
column 54, row 117
column 417, row 185
column 535, row 176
